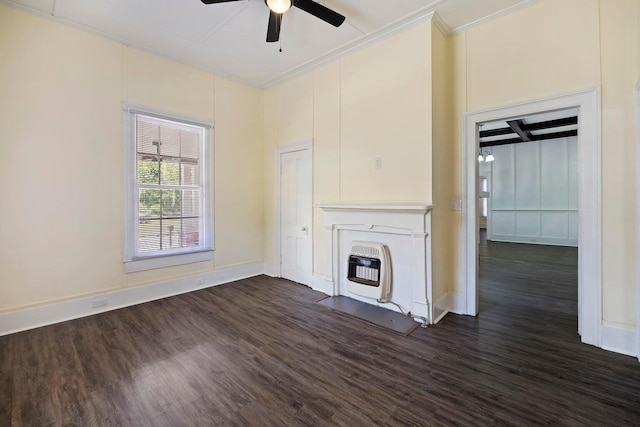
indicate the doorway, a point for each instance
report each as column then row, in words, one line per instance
column 528, row 255
column 294, row 216
column 587, row 103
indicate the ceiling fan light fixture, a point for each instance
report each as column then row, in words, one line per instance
column 279, row 6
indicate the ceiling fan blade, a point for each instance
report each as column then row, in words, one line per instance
column 320, row 11
column 217, row 1
column 273, row 30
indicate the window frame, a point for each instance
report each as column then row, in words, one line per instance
column 134, row 261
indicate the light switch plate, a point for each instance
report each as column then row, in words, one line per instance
column 456, row 204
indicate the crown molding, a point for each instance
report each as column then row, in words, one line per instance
column 124, row 42
column 422, row 15
column 444, row 28
column 425, row 14
column 507, row 10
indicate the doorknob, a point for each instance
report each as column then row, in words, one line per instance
column 304, row 229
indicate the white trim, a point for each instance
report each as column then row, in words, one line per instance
column 590, row 207
column 391, row 208
column 317, row 282
column 458, row 302
column 534, row 240
column 505, row 11
column 441, row 308
column 442, row 26
column 81, row 307
column 270, row 269
column 638, row 216
column 178, row 256
column 280, row 150
column 415, row 223
column 167, row 261
column 620, row 340
column 453, row 302
column 422, row 15
column 322, row 283
column 125, row 42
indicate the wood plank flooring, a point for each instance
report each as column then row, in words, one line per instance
column 260, row 352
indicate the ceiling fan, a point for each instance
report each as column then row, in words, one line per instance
column 278, row 7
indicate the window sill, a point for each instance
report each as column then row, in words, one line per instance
column 167, row 261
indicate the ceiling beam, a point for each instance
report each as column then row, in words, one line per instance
column 543, row 137
column 495, row 132
column 516, row 125
column 566, row 121
column 549, row 124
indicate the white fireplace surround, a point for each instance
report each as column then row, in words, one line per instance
column 408, row 226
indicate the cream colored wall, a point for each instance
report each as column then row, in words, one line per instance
column 457, row 69
column 442, row 244
column 61, row 92
column 372, row 103
column 288, row 119
column 58, row 124
column 548, row 48
column 385, row 112
column 582, row 44
column 239, row 208
column 326, row 157
column 619, row 50
column 163, row 84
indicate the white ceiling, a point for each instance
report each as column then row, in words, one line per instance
column 229, row 38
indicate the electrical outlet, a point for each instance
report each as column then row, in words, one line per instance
column 97, row 303
column 200, row 281
column 378, row 163
column 456, row 204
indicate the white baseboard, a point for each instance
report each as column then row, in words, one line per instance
column 270, row 270
column 619, row 340
column 36, row 317
column 441, row 308
column 550, row 241
column 322, row 283
column 421, row 309
column 452, row 302
column 458, row 303
column 317, row 282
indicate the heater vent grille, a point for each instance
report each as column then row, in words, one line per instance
column 365, row 251
column 369, row 271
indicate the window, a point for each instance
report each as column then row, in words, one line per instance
column 168, row 201
column 484, row 200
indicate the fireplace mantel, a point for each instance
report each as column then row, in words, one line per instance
column 405, row 228
column 399, row 208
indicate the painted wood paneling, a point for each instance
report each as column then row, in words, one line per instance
column 535, row 192
column 554, row 182
column 503, row 178
column 527, row 175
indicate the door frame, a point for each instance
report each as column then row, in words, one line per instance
column 589, row 196
column 638, row 215
column 280, row 150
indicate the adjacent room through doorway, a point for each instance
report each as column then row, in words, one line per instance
column 528, row 223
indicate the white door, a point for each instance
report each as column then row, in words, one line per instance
column 295, row 216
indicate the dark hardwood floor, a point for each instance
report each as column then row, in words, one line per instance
column 260, row 352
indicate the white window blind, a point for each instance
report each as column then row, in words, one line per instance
column 168, row 189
